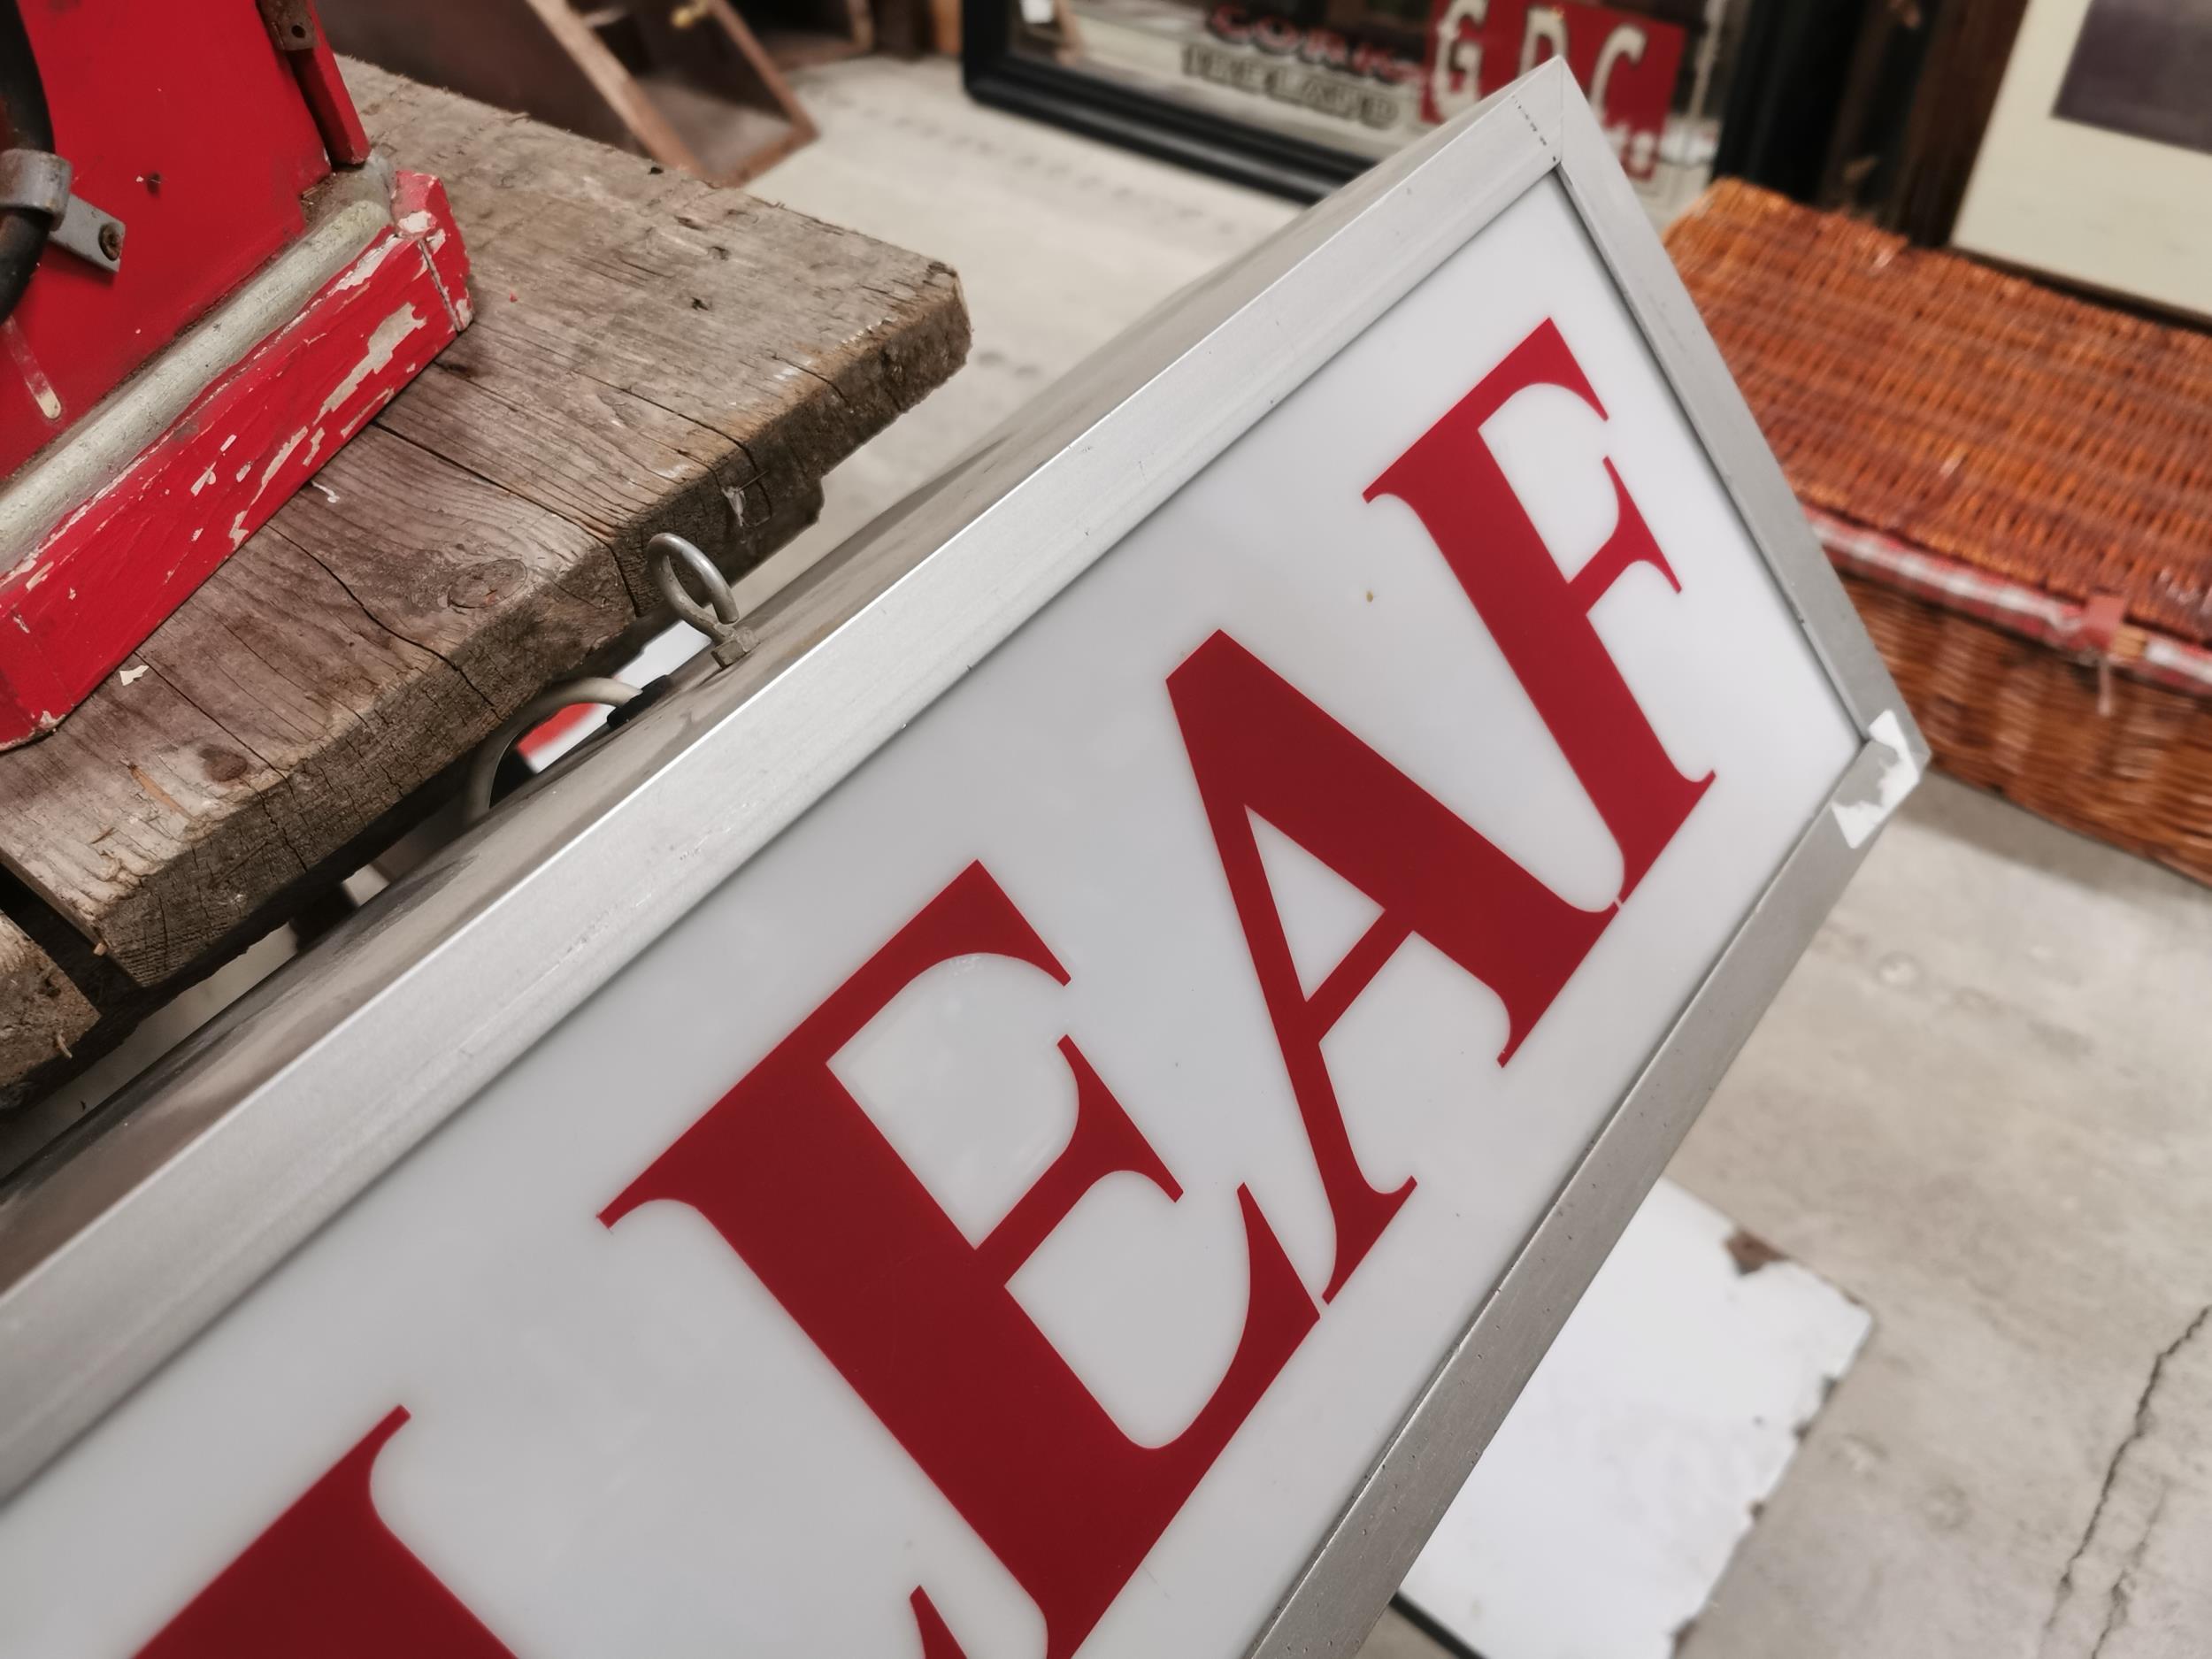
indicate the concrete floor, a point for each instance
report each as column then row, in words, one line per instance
column 1980, row 1105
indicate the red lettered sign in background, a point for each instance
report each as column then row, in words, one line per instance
column 1625, row 63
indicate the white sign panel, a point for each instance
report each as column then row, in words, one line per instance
column 1012, row 1214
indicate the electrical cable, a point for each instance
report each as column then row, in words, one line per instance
column 25, row 123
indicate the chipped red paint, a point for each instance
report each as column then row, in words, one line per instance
column 104, row 577
column 420, row 208
column 186, row 123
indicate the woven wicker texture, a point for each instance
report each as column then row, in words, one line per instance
column 1975, row 414
column 2123, row 760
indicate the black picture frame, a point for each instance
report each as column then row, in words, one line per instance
column 1243, row 152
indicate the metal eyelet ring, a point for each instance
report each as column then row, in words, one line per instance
column 670, row 557
column 476, row 794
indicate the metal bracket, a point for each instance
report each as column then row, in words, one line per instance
column 292, row 25
column 37, row 182
column 34, row 181
column 476, row 789
column 92, row 235
column 669, row 558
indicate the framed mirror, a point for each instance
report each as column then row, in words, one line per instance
column 1296, row 96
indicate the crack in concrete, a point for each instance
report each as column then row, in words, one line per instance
column 2123, row 1585
column 2122, row 1590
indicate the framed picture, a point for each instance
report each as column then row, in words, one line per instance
column 1050, row 1104
column 1298, row 96
column 2097, row 163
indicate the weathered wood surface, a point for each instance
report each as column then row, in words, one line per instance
column 648, row 353
column 42, row 1013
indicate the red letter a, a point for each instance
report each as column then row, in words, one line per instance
column 329, row 1578
column 1257, row 745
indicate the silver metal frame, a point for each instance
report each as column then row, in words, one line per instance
column 117, row 1249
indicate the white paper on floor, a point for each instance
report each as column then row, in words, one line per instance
column 1606, row 1509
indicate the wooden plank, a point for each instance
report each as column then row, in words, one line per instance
column 718, row 86
column 648, row 353
column 41, row 1012
column 87, row 591
column 707, row 99
column 540, row 56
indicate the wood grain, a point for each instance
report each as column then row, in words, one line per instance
column 89, row 589
column 41, row 1012
column 648, row 353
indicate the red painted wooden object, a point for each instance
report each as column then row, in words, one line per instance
column 186, row 123
column 191, row 125
column 104, row 579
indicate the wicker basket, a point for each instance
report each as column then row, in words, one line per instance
column 2017, row 488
